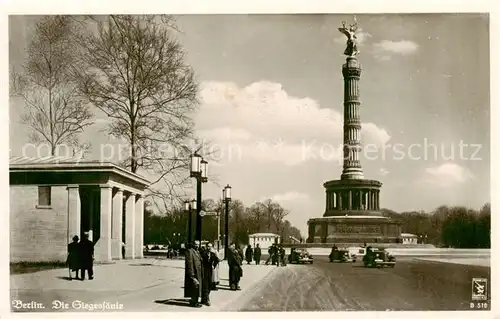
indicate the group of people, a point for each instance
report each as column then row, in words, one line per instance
column 202, row 271
column 81, row 257
column 253, row 254
column 277, row 255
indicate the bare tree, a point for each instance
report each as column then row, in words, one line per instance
column 279, row 215
column 55, row 111
column 135, row 72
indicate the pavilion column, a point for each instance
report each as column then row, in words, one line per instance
column 139, row 226
column 350, row 200
column 74, row 212
column 103, row 245
column 360, row 205
column 378, row 199
column 365, row 195
column 374, row 199
column 340, row 194
column 130, row 227
column 117, row 225
column 369, row 198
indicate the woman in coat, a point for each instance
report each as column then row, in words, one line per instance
column 249, row 254
column 215, row 273
column 73, row 260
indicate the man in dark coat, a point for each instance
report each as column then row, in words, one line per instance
column 249, row 254
column 234, row 262
column 73, row 260
column 209, row 262
column 256, row 254
column 86, row 250
column 193, row 275
column 270, row 251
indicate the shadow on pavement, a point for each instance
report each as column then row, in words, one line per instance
column 144, row 264
column 65, row 278
column 175, row 302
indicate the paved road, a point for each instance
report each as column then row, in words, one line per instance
column 411, row 285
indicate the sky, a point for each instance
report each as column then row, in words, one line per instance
column 271, row 94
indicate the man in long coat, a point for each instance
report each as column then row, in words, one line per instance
column 234, row 262
column 86, row 250
column 256, row 254
column 193, row 275
column 209, row 261
column 249, row 254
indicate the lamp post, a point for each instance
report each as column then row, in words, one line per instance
column 189, row 206
column 199, row 171
column 227, row 198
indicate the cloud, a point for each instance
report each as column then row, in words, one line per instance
column 383, row 171
column 290, row 196
column 402, row 47
column 447, row 174
column 263, row 123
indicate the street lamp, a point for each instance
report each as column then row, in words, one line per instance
column 226, row 196
column 199, row 170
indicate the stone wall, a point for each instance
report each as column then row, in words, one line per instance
column 38, row 234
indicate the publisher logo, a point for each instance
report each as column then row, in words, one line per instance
column 479, row 288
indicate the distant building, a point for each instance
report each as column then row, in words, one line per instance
column 407, row 238
column 55, row 198
column 263, row 239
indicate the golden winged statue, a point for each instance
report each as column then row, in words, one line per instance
column 350, row 33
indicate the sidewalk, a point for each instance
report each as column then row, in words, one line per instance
column 149, row 284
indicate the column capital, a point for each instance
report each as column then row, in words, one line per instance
column 119, row 190
column 73, row 186
column 105, row 186
column 140, row 196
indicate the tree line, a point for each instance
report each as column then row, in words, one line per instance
column 265, row 216
column 457, row 226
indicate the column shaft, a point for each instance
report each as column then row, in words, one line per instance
column 117, row 225
column 139, row 226
column 74, row 212
column 130, row 227
column 350, row 199
column 103, row 245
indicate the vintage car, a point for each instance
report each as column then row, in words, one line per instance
column 300, row 256
column 341, row 255
column 378, row 257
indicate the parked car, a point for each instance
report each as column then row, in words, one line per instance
column 341, row 255
column 300, row 256
column 378, row 257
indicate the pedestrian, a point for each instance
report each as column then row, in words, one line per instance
column 270, row 250
column 215, row 273
column 193, row 275
column 73, row 260
column 275, row 259
column 234, row 262
column 86, row 252
column 123, row 250
column 256, row 254
column 282, row 256
column 249, row 254
column 209, row 261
